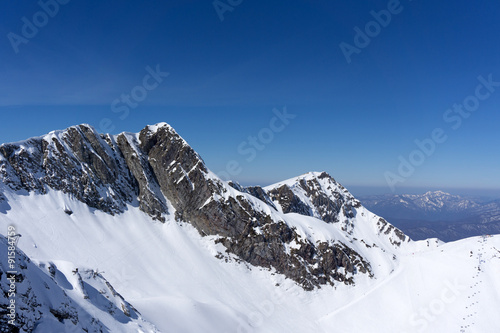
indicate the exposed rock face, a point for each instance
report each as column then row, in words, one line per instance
column 160, row 173
column 289, row 202
column 311, row 265
column 325, row 204
column 388, row 228
column 255, row 191
column 259, row 193
column 150, row 199
column 77, row 161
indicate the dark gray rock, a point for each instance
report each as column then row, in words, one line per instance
column 259, row 193
column 289, row 202
column 150, row 199
column 80, row 164
column 388, row 228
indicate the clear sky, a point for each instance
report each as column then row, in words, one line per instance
column 362, row 80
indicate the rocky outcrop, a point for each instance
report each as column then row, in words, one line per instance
column 76, row 161
column 311, row 265
column 151, row 201
column 324, row 203
column 259, row 193
column 289, row 202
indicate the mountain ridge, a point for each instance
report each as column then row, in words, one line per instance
column 159, row 172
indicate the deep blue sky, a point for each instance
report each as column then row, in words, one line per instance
column 225, row 77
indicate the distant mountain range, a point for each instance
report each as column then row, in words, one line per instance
column 437, row 214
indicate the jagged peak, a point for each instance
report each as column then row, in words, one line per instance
column 316, row 174
column 312, row 175
column 50, row 135
column 439, row 192
column 159, row 125
column 152, row 130
column 78, row 127
column 84, row 125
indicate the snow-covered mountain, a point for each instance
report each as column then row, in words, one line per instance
column 160, row 173
column 433, row 205
column 112, row 224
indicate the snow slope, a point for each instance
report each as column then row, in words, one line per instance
column 58, row 297
column 170, row 274
column 453, row 287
